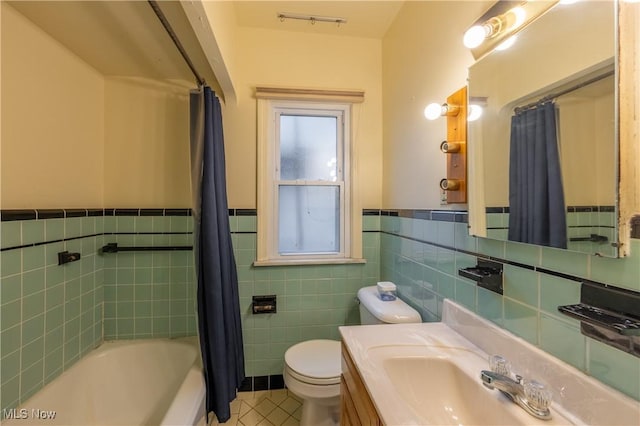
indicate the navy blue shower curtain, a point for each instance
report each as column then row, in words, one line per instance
column 536, row 197
column 219, row 325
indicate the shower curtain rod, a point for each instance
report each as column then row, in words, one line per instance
column 551, row 96
column 176, row 40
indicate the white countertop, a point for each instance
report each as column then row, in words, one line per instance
column 466, row 340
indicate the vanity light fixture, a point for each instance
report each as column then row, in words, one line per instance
column 508, row 21
column 500, row 22
column 435, row 110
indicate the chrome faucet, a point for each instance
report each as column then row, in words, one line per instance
column 533, row 397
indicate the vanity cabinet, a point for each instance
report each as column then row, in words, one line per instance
column 355, row 403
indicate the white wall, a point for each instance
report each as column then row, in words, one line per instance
column 146, row 150
column 289, row 59
column 424, row 61
column 587, row 135
column 71, row 138
column 53, row 125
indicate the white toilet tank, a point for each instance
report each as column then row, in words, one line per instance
column 375, row 311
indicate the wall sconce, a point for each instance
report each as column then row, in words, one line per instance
column 502, row 21
column 449, row 184
column 450, row 147
column 435, row 110
column 508, row 21
column 453, row 187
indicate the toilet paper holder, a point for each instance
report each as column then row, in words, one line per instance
column 265, row 304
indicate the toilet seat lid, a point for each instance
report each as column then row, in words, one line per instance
column 318, row 359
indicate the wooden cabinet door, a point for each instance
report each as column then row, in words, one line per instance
column 356, row 405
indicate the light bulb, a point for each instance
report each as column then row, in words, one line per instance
column 433, row 111
column 474, row 36
column 475, row 112
column 507, row 43
column 520, row 16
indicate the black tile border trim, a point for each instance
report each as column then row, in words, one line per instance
column 260, row 383
column 568, row 226
column 50, row 213
column 177, row 212
column 9, row 215
column 497, row 210
column 27, row 214
column 151, row 212
column 609, row 209
column 559, row 274
column 243, row 212
column 75, row 213
column 246, row 212
column 126, row 212
column 570, row 209
column 458, row 216
column 34, row 214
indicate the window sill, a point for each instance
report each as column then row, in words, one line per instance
column 294, row 262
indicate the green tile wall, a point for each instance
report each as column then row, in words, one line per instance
column 313, row 301
column 580, row 224
column 50, row 315
column 426, row 274
column 149, row 294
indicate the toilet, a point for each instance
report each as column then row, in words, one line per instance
column 312, row 369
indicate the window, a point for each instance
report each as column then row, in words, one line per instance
column 305, row 174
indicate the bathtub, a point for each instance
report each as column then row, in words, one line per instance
column 135, row 382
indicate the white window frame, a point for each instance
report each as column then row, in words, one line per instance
column 269, row 111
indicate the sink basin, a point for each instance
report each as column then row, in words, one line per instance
column 429, row 374
column 440, row 392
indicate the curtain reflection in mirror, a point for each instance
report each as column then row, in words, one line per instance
column 536, row 196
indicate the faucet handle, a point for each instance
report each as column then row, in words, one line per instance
column 500, row 365
column 537, row 395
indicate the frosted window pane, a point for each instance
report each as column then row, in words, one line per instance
column 308, row 148
column 309, row 219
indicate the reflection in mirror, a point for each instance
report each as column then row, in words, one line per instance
column 566, row 57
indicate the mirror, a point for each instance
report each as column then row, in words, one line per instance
column 568, row 54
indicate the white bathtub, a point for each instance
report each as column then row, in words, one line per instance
column 136, row 382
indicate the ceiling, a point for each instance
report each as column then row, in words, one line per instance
column 120, row 38
column 370, row 19
column 124, row 38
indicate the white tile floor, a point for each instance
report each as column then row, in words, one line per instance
column 264, row 408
